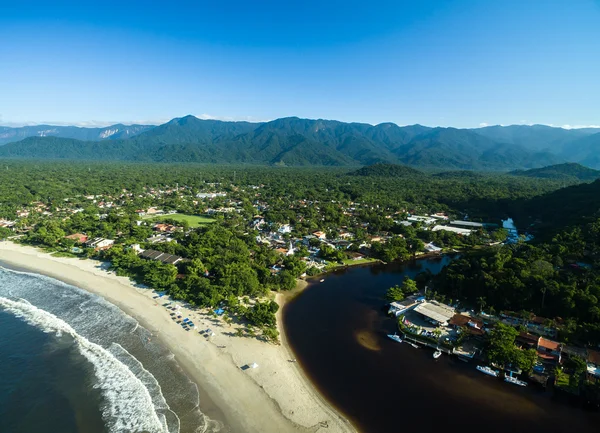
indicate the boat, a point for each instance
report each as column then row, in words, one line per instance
column 395, row 338
column 437, row 354
column 416, row 346
column 514, row 381
column 322, row 280
column 487, row 370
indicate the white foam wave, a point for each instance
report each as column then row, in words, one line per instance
column 128, row 405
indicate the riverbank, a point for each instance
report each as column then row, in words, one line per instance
column 275, row 397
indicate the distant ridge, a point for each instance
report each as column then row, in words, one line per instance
column 112, row 132
column 292, row 141
column 567, row 171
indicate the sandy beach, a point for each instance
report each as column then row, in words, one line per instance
column 275, row 397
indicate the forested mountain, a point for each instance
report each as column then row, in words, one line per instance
column 302, row 142
column 567, row 171
column 113, row 132
column 534, row 137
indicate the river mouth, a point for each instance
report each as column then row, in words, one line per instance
column 337, row 330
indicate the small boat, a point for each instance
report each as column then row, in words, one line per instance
column 416, row 346
column 395, row 338
column 514, row 381
column 322, row 280
column 437, row 354
column 487, row 370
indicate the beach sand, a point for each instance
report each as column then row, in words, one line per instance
column 275, row 397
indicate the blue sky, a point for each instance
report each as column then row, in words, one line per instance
column 450, row 63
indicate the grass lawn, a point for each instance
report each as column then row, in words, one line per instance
column 193, row 220
column 351, row 262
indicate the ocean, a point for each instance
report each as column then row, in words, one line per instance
column 72, row 362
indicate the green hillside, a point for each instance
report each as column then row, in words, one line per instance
column 567, row 171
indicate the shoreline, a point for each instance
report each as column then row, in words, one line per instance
column 276, row 397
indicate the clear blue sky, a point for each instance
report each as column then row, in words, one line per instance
column 451, row 63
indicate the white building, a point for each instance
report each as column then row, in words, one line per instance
column 464, row 232
column 422, row 219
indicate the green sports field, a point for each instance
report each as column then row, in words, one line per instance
column 193, row 220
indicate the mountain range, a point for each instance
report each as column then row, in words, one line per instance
column 300, row 142
column 113, row 132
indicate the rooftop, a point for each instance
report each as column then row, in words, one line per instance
column 435, row 310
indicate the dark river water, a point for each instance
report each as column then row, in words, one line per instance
column 338, row 329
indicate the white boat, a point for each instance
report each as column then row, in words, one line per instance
column 514, row 381
column 487, row 370
column 416, row 346
column 395, row 338
column 322, row 281
column 437, row 354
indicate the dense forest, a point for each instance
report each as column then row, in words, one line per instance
column 555, row 275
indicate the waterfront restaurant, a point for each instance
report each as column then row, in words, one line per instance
column 435, row 312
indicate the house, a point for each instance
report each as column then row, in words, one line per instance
column 285, row 228
column 99, row 243
column 164, row 228
column 78, row 237
column 6, row 223
column 431, row 248
column 527, row 341
column 439, row 216
column 435, row 312
column 319, row 235
column 549, row 350
column 472, row 325
column 169, row 259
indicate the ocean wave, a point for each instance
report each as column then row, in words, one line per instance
column 128, row 405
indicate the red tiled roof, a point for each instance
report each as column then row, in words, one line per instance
column 549, row 344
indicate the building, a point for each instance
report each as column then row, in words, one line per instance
column 472, row 325
column 400, row 307
column 549, row 350
column 169, row 259
column 78, row 237
column 7, row 224
column 319, row 235
column 435, row 312
column 527, row 341
column 457, row 230
column 466, row 224
column 431, row 248
column 99, row 243
column 422, row 219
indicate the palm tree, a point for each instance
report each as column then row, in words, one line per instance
column 481, row 303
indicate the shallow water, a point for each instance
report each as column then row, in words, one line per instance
column 338, row 329
column 79, row 362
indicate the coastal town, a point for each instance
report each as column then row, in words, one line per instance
column 221, row 250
